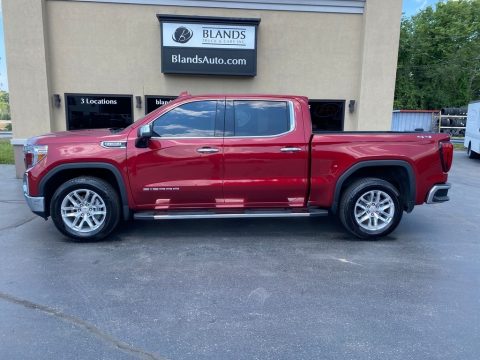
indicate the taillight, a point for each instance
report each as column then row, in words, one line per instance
column 446, row 154
column 34, row 154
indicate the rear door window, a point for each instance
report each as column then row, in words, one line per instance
column 258, row 118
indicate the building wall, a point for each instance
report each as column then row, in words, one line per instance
column 114, row 48
column 381, row 31
column 325, row 64
column 25, row 46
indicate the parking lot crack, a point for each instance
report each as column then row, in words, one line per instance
column 19, row 224
column 82, row 324
column 346, row 261
column 12, row 201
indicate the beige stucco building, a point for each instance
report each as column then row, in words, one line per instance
column 61, row 53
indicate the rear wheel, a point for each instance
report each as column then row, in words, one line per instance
column 370, row 208
column 471, row 154
column 85, row 209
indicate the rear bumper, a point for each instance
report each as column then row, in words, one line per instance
column 438, row 194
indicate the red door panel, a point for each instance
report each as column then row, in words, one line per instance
column 265, row 171
column 182, row 167
column 177, row 173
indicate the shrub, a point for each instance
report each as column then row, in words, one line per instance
column 6, row 152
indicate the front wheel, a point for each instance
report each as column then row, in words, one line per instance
column 370, row 208
column 85, row 209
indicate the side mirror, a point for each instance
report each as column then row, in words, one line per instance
column 145, row 131
column 143, row 136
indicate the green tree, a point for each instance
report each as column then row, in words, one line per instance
column 439, row 57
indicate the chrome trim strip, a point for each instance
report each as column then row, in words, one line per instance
column 433, row 191
column 25, row 184
column 185, row 137
column 207, row 150
column 35, row 203
column 153, row 216
column 124, row 146
column 293, row 123
column 290, row 149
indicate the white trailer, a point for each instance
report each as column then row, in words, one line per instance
column 472, row 131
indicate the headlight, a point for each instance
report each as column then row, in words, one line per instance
column 34, row 154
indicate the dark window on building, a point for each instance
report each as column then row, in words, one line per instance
column 327, row 115
column 98, row 111
column 260, row 118
column 195, row 119
column 153, row 102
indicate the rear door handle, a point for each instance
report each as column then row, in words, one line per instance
column 290, row 149
column 207, row 150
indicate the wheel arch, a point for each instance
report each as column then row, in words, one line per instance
column 384, row 170
column 64, row 172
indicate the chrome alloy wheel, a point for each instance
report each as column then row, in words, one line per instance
column 83, row 210
column 374, row 210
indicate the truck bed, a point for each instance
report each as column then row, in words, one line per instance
column 416, row 154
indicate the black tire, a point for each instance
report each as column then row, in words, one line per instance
column 365, row 187
column 102, row 209
column 470, row 153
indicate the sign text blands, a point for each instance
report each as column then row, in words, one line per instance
column 208, row 36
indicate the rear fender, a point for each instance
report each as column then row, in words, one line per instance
column 410, row 189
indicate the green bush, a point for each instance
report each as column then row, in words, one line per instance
column 6, row 152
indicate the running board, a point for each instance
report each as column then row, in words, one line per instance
column 170, row 215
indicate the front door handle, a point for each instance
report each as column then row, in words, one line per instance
column 290, row 149
column 207, row 150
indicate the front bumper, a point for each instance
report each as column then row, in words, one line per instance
column 438, row 194
column 35, row 203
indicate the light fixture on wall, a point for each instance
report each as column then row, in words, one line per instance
column 57, row 100
column 351, row 106
column 138, row 102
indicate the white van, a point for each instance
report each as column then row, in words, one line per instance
column 472, row 131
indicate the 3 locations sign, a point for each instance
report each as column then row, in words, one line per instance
column 208, row 45
column 86, row 111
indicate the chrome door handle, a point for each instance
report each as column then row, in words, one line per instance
column 290, row 149
column 207, row 150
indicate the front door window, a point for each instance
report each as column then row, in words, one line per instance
column 195, row 119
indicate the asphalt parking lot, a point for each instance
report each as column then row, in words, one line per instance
column 244, row 289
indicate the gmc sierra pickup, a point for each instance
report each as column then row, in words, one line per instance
column 222, row 156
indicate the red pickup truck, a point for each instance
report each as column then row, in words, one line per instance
column 222, row 156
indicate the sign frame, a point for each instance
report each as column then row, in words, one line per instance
column 167, row 66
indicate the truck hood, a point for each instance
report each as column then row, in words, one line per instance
column 78, row 136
